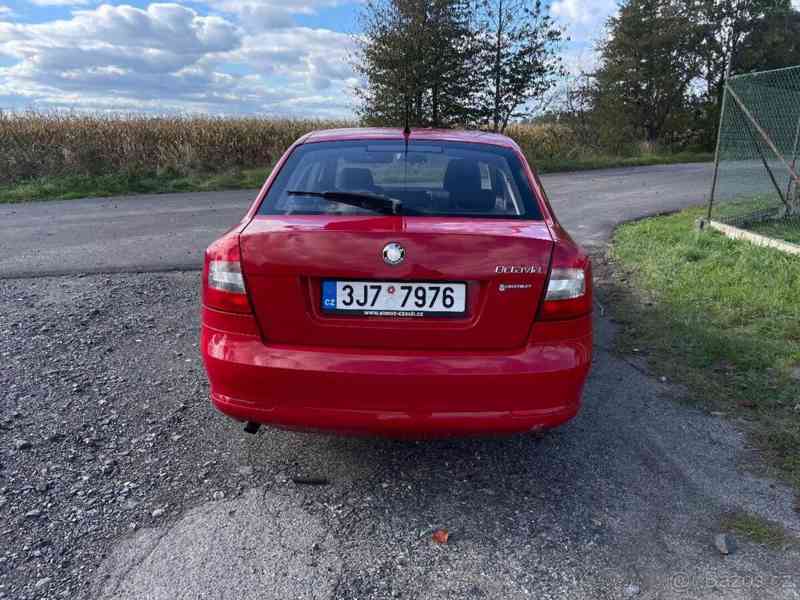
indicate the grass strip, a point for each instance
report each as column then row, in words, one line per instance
column 75, row 186
column 720, row 316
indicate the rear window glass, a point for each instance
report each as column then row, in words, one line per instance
column 427, row 178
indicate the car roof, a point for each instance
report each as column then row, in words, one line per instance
column 395, row 133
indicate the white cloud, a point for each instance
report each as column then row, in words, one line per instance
column 580, row 60
column 161, row 27
column 583, row 18
column 258, row 15
column 163, row 38
column 570, row 10
column 59, row 2
column 168, row 57
column 316, row 55
column 5, row 12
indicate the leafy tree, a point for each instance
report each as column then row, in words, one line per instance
column 418, row 57
column 751, row 35
column 772, row 42
column 663, row 65
column 648, row 64
column 519, row 48
column 577, row 108
column 724, row 25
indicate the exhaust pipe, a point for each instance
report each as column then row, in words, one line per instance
column 251, row 427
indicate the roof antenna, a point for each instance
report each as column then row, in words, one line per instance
column 406, row 135
column 407, row 129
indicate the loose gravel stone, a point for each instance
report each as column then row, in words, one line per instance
column 21, row 445
column 631, row 590
column 43, row 582
column 725, row 543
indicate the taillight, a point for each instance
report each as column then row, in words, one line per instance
column 223, row 283
column 569, row 287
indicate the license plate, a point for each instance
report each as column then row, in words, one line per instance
column 394, row 298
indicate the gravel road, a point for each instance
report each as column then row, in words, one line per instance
column 118, row 481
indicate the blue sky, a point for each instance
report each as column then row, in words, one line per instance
column 267, row 57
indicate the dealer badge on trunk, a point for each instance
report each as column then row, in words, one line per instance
column 393, row 253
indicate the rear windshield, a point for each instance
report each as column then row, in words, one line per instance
column 426, row 178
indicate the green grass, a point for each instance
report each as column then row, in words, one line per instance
column 608, row 162
column 745, row 208
column 756, row 529
column 745, row 213
column 69, row 187
column 720, row 316
column 786, row 229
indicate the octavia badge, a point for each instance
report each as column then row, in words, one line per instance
column 393, row 253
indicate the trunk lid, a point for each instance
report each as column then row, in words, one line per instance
column 285, row 259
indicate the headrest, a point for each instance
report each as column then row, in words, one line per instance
column 462, row 180
column 353, row 179
column 462, row 175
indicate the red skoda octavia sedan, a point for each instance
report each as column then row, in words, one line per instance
column 402, row 284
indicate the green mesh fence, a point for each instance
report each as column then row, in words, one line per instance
column 759, row 141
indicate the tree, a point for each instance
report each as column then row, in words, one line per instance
column 772, row 42
column 648, row 64
column 519, row 48
column 750, row 34
column 724, row 25
column 418, row 57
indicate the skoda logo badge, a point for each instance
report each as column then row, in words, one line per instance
column 393, row 253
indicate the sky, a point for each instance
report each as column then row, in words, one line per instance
column 228, row 57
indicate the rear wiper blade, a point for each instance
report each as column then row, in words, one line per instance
column 376, row 202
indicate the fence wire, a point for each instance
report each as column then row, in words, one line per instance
column 758, row 152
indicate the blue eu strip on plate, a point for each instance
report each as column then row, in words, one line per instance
column 329, row 294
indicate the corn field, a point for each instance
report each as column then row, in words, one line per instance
column 546, row 141
column 34, row 145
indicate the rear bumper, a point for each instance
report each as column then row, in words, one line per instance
column 400, row 394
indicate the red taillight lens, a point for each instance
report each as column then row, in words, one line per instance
column 569, row 287
column 223, row 282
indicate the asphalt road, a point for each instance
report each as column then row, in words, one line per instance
column 134, row 488
column 169, row 232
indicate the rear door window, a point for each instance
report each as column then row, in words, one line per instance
column 429, row 179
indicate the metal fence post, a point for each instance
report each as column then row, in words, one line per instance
column 793, row 198
column 719, row 139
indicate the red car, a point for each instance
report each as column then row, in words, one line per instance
column 408, row 284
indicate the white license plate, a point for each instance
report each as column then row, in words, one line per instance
column 394, row 298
